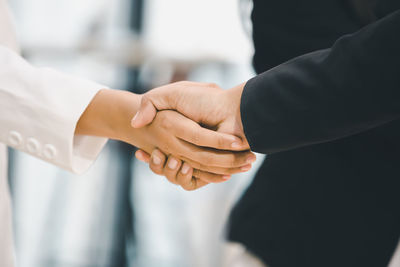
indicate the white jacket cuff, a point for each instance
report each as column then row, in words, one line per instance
column 40, row 108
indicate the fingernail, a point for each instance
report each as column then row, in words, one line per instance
column 226, row 177
column 139, row 155
column 156, row 160
column 172, row 164
column 246, row 168
column 134, row 118
column 251, row 159
column 236, row 145
column 185, row 168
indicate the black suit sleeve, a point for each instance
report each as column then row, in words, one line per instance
column 329, row 94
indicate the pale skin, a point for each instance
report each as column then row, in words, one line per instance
column 109, row 115
column 206, row 104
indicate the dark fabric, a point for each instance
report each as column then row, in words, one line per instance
column 328, row 193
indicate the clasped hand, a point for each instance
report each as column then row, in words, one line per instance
column 202, row 133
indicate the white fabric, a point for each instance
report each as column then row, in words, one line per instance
column 6, row 244
column 237, row 255
column 395, row 262
column 39, row 109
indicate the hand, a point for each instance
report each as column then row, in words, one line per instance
column 109, row 115
column 175, row 170
column 181, row 173
column 207, row 104
column 172, row 133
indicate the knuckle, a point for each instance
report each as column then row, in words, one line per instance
column 180, row 83
column 171, row 179
column 194, row 165
column 192, row 185
column 233, row 170
column 228, row 171
column 172, row 100
column 145, row 99
column 212, row 85
column 186, row 187
column 196, row 173
column 166, row 146
column 188, row 83
column 155, row 169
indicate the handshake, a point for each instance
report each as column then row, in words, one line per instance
column 190, row 132
column 202, row 133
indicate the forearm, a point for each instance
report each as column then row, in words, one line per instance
column 109, row 114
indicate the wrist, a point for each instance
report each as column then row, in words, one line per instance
column 234, row 97
column 124, row 107
column 109, row 114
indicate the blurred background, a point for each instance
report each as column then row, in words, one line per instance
column 119, row 213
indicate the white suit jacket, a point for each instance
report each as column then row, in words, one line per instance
column 39, row 110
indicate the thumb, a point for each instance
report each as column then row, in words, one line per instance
column 146, row 113
column 229, row 126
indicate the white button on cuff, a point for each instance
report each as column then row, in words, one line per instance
column 32, row 145
column 49, row 152
column 15, row 138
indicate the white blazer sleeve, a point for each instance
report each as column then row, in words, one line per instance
column 39, row 110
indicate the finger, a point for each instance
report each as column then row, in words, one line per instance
column 184, row 176
column 217, row 170
column 193, row 184
column 157, row 162
column 215, row 158
column 171, row 169
column 146, row 113
column 142, row 156
column 192, row 132
column 162, row 98
column 210, row 177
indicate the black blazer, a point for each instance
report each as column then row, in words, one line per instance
column 328, row 193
